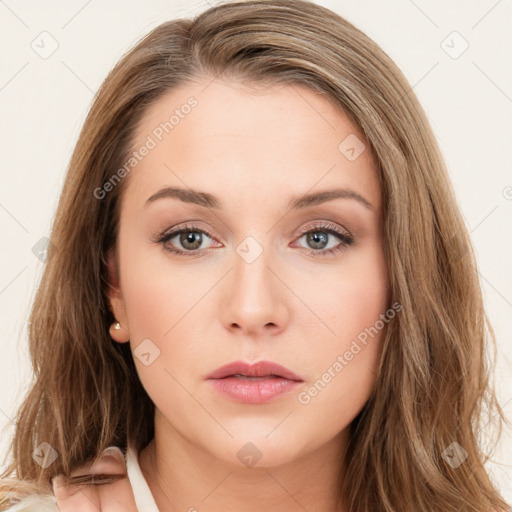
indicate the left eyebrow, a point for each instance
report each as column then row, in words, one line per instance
column 315, row 198
column 300, row 202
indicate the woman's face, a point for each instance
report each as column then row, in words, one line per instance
column 260, row 274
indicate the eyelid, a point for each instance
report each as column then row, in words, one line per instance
column 185, row 226
column 345, row 237
column 325, row 225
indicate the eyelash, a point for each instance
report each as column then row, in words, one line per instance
column 332, row 229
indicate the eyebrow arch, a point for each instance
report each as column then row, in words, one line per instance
column 315, row 198
column 187, row 196
column 304, row 201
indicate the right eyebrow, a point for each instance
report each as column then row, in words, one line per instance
column 187, row 196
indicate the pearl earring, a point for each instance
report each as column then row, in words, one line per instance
column 117, row 326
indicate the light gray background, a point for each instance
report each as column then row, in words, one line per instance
column 43, row 103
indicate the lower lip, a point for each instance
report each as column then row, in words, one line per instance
column 254, row 391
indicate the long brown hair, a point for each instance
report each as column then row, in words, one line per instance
column 433, row 383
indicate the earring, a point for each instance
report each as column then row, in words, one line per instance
column 118, row 333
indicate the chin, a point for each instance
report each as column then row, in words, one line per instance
column 259, row 451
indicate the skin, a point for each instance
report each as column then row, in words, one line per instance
column 254, row 149
column 116, row 497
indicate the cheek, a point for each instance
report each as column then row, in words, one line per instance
column 338, row 394
column 159, row 307
column 158, row 292
column 355, row 313
column 163, row 300
column 350, row 297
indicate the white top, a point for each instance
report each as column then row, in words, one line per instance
column 143, row 497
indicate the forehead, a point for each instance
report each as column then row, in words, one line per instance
column 237, row 140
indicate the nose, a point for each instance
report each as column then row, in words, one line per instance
column 255, row 297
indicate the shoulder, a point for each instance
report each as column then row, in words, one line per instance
column 35, row 503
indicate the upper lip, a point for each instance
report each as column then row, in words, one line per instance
column 259, row 369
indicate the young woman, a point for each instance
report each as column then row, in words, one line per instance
column 260, row 293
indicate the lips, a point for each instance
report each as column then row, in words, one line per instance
column 253, row 384
column 260, row 369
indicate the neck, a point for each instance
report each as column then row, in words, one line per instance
column 184, row 477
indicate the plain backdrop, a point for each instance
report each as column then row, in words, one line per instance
column 456, row 56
